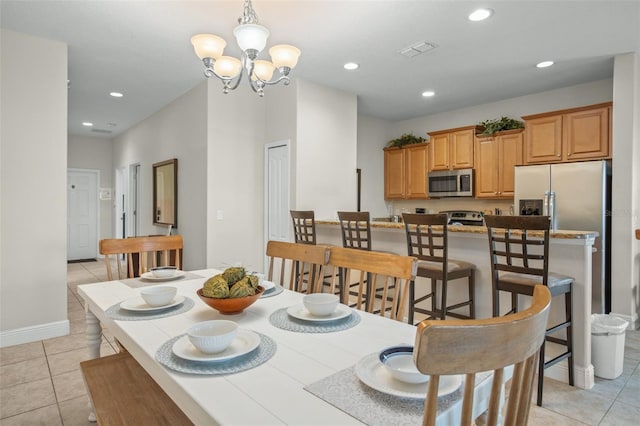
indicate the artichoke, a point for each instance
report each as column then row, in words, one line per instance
column 216, row 287
column 233, row 274
column 241, row 289
column 254, row 281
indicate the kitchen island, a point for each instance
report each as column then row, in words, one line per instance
column 570, row 254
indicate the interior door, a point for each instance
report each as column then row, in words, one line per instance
column 277, row 192
column 82, row 214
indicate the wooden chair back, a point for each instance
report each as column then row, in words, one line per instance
column 370, row 270
column 141, row 253
column 426, row 236
column 519, row 244
column 304, row 226
column 356, row 230
column 446, row 347
column 297, row 266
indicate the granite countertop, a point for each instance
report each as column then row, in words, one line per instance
column 566, row 234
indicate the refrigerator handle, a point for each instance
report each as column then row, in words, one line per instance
column 550, row 207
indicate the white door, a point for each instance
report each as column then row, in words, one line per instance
column 82, row 214
column 277, row 220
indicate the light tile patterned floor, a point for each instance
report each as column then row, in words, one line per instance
column 41, row 383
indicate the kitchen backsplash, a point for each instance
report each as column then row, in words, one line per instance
column 436, row 205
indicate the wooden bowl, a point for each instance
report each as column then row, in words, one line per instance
column 231, row 306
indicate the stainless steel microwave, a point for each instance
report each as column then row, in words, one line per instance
column 451, row 183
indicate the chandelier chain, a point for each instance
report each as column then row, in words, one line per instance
column 249, row 16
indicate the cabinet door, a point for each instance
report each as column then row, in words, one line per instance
column 439, row 152
column 462, row 149
column 586, row 134
column 486, row 168
column 416, row 161
column 394, row 171
column 543, row 140
column 510, row 154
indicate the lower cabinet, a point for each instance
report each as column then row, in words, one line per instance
column 405, row 172
column 496, row 158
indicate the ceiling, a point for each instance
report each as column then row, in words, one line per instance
column 142, row 49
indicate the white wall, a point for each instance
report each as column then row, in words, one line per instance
column 33, row 212
column 234, row 185
column 373, row 135
column 85, row 152
column 179, row 130
column 325, row 171
column 625, row 259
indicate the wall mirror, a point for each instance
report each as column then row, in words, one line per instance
column 165, row 193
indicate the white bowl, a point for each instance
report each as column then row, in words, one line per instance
column 320, row 304
column 214, row 336
column 158, row 295
column 398, row 361
column 163, row 271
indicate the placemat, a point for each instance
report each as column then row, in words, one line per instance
column 281, row 319
column 264, row 352
column 114, row 312
column 141, row 282
column 346, row 392
column 276, row 291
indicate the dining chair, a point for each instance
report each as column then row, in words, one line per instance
column 367, row 271
column 140, row 254
column 427, row 239
column 304, row 226
column 519, row 250
column 285, row 256
column 448, row 347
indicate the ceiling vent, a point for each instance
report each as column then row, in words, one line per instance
column 417, row 49
column 101, row 131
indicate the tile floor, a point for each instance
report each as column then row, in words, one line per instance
column 41, row 383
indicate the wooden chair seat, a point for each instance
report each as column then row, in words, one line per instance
column 553, row 280
column 124, row 394
column 452, row 266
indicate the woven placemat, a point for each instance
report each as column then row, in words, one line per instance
column 258, row 356
column 283, row 320
column 116, row 313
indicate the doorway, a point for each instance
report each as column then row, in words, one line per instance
column 82, row 214
column 277, row 192
column 134, row 226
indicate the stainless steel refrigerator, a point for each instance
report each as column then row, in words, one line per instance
column 582, row 202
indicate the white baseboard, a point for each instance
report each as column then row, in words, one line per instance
column 582, row 377
column 34, row 333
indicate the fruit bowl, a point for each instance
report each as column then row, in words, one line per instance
column 231, row 306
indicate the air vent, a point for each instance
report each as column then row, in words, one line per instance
column 417, row 49
column 101, row 131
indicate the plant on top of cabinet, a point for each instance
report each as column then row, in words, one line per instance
column 495, row 125
column 405, row 139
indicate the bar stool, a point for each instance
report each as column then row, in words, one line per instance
column 517, row 265
column 304, row 232
column 430, row 246
column 356, row 234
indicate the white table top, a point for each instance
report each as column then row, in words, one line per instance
column 271, row 393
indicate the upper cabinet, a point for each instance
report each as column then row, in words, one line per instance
column 576, row 134
column 496, row 158
column 405, row 172
column 452, row 149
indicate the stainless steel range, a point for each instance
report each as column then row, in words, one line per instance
column 464, row 217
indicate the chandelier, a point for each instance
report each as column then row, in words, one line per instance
column 252, row 39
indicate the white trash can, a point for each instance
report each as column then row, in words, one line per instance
column 607, row 345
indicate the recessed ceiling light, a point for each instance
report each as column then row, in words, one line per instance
column 351, row 66
column 544, row 64
column 480, row 14
column 116, row 94
column 428, row 93
column 87, row 123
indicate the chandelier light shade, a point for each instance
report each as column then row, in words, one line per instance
column 252, row 39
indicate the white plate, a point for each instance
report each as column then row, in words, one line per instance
column 268, row 285
column 300, row 312
column 149, row 276
column 245, row 342
column 372, row 373
column 138, row 304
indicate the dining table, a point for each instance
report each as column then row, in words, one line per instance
column 301, row 373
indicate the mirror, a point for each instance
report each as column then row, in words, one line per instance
column 165, row 193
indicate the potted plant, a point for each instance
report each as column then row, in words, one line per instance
column 498, row 125
column 405, row 139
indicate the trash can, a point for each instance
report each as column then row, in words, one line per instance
column 607, row 345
